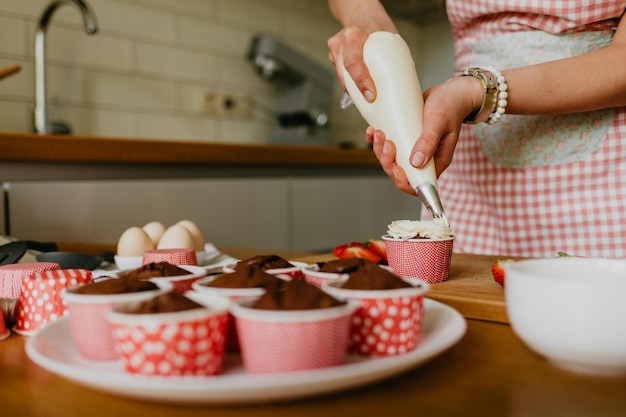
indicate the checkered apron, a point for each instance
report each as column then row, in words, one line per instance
column 535, row 185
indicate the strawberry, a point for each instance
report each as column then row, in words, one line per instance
column 378, row 246
column 337, row 250
column 497, row 270
column 356, row 250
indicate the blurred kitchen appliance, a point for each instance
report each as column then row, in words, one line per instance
column 42, row 124
column 302, row 111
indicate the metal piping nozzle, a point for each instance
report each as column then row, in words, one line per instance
column 429, row 195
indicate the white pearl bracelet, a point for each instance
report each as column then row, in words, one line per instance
column 495, row 96
column 503, row 95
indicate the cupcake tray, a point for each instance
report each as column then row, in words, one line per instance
column 52, row 349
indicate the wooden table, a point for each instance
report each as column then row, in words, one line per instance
column 488, row 373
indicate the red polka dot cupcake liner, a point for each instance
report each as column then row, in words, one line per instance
column 92, row 334
column 172, row 256
column 184, row 343
column 387, row 322
column 425, row 259
column 287, row 341
column 40, row 300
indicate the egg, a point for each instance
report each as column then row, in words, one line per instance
column 196, row 234
column 134, row 242
column 155, row 230
column 176, row 237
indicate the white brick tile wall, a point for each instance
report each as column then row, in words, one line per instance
column 145, row 72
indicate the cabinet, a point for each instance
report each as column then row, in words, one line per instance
column 296, row 214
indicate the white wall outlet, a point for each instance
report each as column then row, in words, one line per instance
column 220, row 104
column 237, row 105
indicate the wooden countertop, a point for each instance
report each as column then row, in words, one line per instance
column 490, row 372
column 26, row 147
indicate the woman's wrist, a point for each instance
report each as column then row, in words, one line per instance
column 494, row 99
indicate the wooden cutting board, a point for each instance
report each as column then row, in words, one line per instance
column 470, row 288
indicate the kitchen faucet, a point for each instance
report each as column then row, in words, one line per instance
column 42, row 124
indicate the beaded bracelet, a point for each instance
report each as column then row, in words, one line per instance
column 495, row 96
column 503, row 95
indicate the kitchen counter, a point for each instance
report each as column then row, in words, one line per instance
column 490, row 372
column 27, row 156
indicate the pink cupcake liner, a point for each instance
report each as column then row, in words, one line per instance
column 91, row 332
column 40, row 299
column 172, row 344
column 288, row 341
column 387, row 322
column 11, row 276
column 172, row 256
column 425, row 259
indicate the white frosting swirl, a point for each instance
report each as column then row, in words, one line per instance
column 409, row 229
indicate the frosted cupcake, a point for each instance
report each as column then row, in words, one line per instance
column 420, row 249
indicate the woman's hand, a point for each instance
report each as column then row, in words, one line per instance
column 445, row 107
column 346, row 50
column 359, row 18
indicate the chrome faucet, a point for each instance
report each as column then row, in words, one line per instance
column 42, row 124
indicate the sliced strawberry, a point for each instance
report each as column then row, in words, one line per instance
column 341, row 248
column 497, row 270
column 356, row 250
column 378, row 246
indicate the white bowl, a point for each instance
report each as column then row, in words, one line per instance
column 128, row 262
column 571, row 310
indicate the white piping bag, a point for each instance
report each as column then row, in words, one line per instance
column 398, row 109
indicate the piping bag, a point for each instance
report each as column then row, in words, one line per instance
column 398, row 110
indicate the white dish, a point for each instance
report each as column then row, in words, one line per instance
column 571, row 310
column 52, row 349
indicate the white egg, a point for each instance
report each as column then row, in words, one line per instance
column 196, row 234
column 134, row 242
column 155, row 230
column 176, row 237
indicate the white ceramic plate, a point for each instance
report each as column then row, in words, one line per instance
column 52, row 349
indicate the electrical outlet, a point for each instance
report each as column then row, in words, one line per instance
column 227, row 104
column 237, row 105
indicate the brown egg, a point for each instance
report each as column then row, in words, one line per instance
column 134, row 242
column 176, row 237
column 196, row 234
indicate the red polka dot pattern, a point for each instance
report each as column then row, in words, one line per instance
column 387, row 326
column 189, row 347
column 40, row 300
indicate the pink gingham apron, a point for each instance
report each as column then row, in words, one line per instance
column 532, row 186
